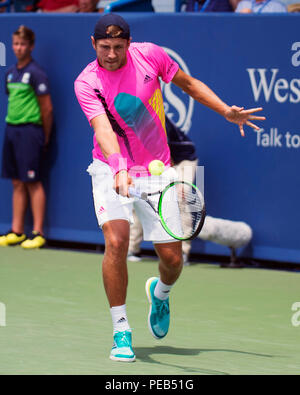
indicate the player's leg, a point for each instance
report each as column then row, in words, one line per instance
column 114, row 215
column 170, row 264
column 114, row 266
column 158, row 289
column 135, row 239
column 115, row 279
column 169, row 252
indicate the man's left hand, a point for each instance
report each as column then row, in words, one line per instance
column 241, row 117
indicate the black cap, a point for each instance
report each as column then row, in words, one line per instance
column 108, row 20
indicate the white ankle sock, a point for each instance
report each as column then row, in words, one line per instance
column 119, row 318
column 162, row 290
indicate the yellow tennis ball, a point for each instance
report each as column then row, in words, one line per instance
column 156, row 167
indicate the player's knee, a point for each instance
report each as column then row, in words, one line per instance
column 173, row 261
column 117, row 242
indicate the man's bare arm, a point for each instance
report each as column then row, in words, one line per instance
column 105, row 136
column 200, row 92
column 204, row 95
column 108, row 142
column 46, row 108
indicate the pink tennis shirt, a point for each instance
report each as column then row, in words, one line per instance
column 132, row 100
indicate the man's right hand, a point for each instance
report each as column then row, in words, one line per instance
column 122, row 182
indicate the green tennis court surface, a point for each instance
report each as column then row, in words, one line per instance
column 223, row 321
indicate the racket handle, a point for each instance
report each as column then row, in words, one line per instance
column 134, row 193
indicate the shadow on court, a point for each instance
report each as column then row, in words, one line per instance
column 146, row 354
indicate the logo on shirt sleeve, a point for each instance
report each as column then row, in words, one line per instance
column 170, row 67
column 42, row 88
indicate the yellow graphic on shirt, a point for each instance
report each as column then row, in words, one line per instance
column 156, row 102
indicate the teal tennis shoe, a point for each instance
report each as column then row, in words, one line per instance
column 122, row 349
column 159, row 314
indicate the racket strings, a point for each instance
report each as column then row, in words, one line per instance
column 182, row 210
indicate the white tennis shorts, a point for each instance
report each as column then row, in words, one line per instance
column 111, row 206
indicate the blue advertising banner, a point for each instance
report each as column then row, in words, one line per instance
column 248, row 60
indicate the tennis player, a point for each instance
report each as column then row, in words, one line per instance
column 120, row 94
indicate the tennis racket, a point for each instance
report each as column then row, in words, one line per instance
column 179, row 206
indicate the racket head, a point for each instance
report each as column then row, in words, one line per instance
column 186, row 202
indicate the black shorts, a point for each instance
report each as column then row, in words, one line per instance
column 23, row 152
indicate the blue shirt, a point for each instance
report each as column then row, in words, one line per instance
column 261, row 7
column 23, row 86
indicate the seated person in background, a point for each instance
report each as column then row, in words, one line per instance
column 89, row 6
column 2, row 9
column 295, row 7
column 259, row 6
column 58, row 5
column 211, row 5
